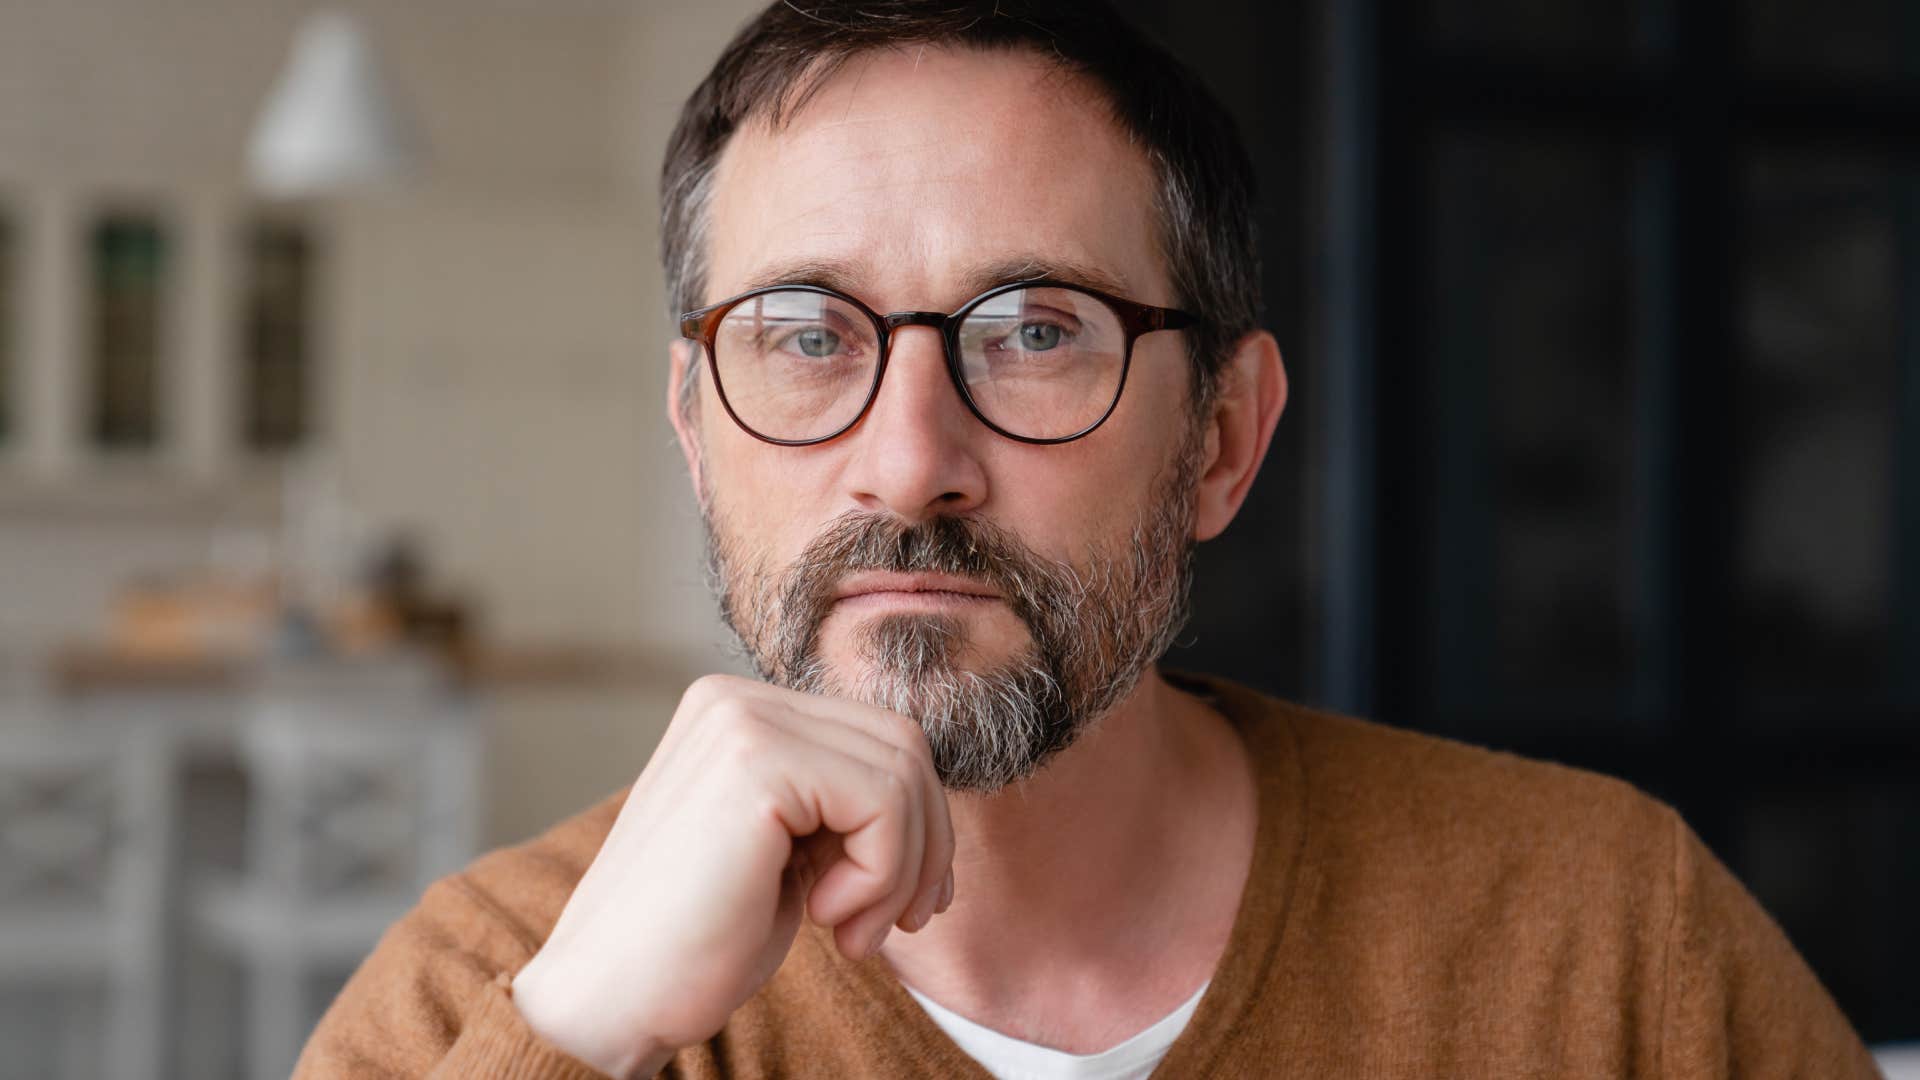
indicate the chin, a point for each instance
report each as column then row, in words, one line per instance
column 990, row 720
column 895, row 644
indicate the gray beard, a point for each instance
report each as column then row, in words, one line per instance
column 985, row 729
column 1092, row 632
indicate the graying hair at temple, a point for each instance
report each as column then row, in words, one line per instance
column 1205, row 180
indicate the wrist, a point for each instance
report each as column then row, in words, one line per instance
column 577, row 1028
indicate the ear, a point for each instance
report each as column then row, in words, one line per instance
column 1251, row 396
column 682, row 355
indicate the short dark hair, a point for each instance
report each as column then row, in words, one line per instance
column 1204, row 179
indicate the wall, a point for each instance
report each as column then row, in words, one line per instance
column 494, row 338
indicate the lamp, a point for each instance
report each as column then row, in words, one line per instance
column 331, row 123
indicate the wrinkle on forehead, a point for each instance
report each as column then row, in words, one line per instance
column 920, row 165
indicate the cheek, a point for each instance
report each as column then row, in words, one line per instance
column 768, row 496
column 1061, row 497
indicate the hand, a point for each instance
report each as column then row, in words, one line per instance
column 759, row 803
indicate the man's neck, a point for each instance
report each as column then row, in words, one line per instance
column 1131, row 844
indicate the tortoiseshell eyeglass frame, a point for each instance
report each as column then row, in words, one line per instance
column 1135, row 319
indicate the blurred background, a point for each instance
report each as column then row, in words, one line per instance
column 342, row 534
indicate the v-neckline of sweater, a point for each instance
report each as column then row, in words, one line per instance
column 1252, row 943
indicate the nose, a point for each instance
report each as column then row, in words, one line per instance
column 916, row 452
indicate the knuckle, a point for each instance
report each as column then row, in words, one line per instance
column 903, row 762
column 905, row 731
column 765, row 804
column 745, row 749
column 906, row 725
column 741, row 735
column 895, row 789
column 708, row 688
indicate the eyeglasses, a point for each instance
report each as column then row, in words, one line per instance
column 1037, row 361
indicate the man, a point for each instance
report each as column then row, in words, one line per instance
column 969, row 365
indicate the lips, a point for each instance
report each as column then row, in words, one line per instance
column 933, row 586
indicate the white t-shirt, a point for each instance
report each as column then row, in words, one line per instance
column 1012, row 1059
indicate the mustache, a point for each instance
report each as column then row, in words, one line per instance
column 973, row 548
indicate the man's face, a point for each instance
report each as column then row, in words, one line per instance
column 1003, row 593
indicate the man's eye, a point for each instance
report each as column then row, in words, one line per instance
column 1039, row 337
column 815, row 341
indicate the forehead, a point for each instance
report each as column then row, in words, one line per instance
column 910, row 173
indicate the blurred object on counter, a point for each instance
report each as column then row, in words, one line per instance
column 321, row 532
column 395, row 601
column 195, row 617
column 338, row 595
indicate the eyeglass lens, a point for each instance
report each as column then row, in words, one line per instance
column 1040, row 363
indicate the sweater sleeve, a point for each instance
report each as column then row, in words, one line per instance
column 1738, row 1000
column 433, row 1000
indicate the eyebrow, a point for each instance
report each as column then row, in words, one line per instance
column 849, row 276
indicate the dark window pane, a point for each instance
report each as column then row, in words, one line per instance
column 277, row 336
column 1817, row 379
column 1530, row 293
column 1832, row 860
column 1845, row 39
column 129, row 256
column 1528, row 30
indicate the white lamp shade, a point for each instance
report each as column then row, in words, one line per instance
column 331, row 124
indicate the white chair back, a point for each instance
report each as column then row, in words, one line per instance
column 363, row 788
column 86, row 831
column 353, row 797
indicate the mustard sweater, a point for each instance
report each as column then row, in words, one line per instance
column 1416, row 908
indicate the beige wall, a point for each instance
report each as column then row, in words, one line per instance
column 495, row 336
